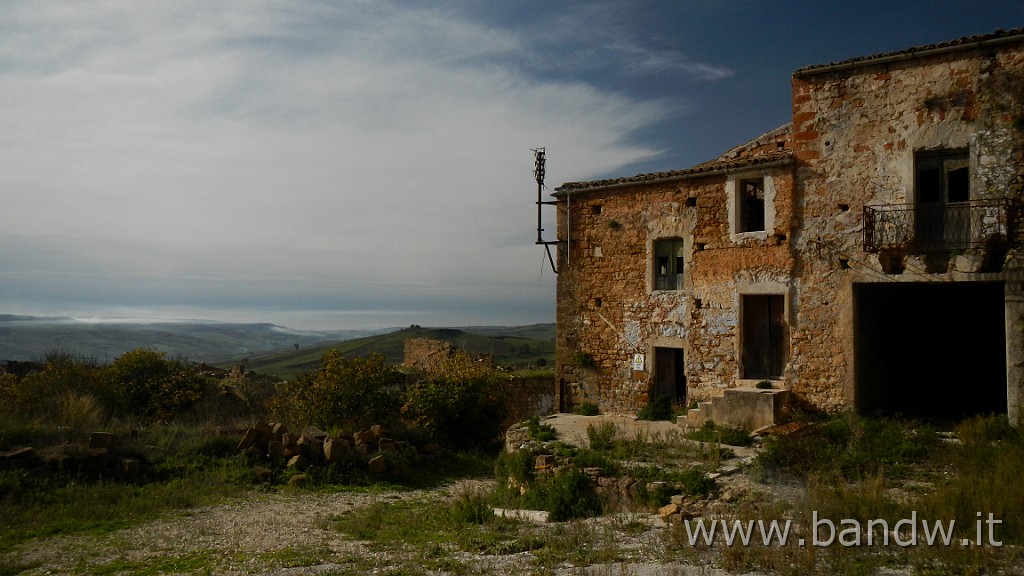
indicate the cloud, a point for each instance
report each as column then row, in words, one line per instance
column 304, row 146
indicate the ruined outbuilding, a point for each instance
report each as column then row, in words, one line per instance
column 866, row 255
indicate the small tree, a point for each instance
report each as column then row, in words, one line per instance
column 151, row 386
column 461, row 404
column 344, row 392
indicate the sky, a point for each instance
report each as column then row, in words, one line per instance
column 325, row 164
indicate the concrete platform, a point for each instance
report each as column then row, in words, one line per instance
column 572, row 428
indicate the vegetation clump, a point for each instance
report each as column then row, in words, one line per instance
column 711, row 432
column 658, row 408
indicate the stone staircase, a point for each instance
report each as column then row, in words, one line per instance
column 743, row 407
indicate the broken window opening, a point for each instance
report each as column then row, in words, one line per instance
column 751, row 205
column 668, row 264
column 942, row 183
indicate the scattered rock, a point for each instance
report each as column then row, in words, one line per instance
column 378, row 464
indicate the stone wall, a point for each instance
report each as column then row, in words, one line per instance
column 528, row 397
column 855, row 134
column 525, row 397
column 856, row 129
column 608, row 309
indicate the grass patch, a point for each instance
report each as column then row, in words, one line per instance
column 712, row 433
column 885, row 469
column 659, row 408
column 467, row 524
column 540, row 432
column 852, row 447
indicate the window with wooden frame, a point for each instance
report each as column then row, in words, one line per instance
column 668, row 264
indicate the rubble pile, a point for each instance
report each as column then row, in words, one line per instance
column 105, row 453
column 275, row 444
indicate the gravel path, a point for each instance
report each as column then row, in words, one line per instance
column 288, row 534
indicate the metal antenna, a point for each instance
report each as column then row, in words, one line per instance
column 539, row 162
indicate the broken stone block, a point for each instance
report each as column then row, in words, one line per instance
column 275, row 449
column 334, row 448
column 363, row 437
column 377, row 464
column 298, row 480
column 544, row 461
column 248, row 439
column 130, row 466
column 18, row 454
column 107, row 440
column 263, row 474
column 668, row 510
column 314, row 432
column 299, row 462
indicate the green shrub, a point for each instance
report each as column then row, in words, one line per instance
column 659, row 408
column 851, row 446
column 590, row 458
column 152, row 387
column 695, row 482
column 471, row 507
column 352, row 393
column 587, row 409
column 712, row 433
column 584, row 359
column 540, row 432
column 569, row 495
column 517, row 467
column 602, row 437
column 764, row 385
column 461, row 406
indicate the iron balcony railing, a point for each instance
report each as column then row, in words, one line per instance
column 936, row 227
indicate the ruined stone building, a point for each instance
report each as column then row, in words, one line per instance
column 865, row 256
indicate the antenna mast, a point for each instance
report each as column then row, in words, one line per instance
column 539, row 162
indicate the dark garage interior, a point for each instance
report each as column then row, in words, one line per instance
column 930, row 350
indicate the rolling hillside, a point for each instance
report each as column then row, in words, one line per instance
column 27, row 338
column 511, row 346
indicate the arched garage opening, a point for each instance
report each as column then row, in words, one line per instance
column 930, row 350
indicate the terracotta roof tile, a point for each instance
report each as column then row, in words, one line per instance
column 964, row 42
column 713, row 166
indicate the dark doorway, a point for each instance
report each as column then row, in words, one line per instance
column 930, row 350
column 765, row 336
column 669, row 375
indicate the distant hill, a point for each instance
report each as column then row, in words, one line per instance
column 25, row 338
column 509, row 345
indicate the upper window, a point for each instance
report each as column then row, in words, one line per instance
column 942, row 184
column 750, row 202
column 668, row 264
column 942, row 177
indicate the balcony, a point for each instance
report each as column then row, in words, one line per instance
column 937, row 227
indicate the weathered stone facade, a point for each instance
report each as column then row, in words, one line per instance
column 793, row 258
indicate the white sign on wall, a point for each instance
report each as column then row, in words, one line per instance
column 638, row 362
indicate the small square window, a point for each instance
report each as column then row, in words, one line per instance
column 668, row 264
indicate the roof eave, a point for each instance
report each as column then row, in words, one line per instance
column 906, row 55
column 562, row 191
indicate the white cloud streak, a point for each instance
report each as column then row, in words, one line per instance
column 300, row 149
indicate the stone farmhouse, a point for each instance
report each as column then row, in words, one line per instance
column 865, row 256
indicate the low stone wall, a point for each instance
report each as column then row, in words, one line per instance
column 528, row 397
